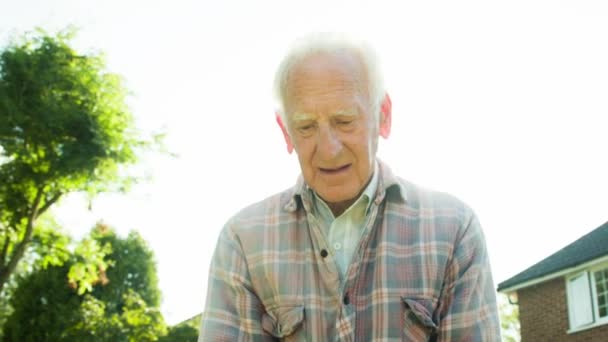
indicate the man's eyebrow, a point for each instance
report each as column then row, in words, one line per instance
column 345, row 112
column 301, row 117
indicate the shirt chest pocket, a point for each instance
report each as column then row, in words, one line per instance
column 285, row 322
column 418, row 324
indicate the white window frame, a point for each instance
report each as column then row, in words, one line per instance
column 589, row 275
column 596, row 304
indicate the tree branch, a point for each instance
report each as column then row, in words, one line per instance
column 4, row 249
column 48, row 204
column 20, row 249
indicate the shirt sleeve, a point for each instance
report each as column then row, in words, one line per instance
column 468, row 310
column 232, row 312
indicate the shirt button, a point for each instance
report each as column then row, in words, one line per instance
column 323, row 253
column 346, row 300
column 337, row 246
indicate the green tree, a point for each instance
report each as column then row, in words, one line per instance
column 122, row 305
column 181, row 333
column 136, row 322
column 64, row 127
column 41, row 302
column 509, row 319
column 186, row 331
column 133, row 268
column 49, row 247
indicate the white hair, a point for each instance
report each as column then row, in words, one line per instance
column 331, row 43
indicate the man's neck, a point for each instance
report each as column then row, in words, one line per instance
column 338, row 208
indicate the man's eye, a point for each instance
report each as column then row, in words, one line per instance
column 345, row 124
column 306, row 128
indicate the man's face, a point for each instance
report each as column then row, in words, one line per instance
column 331, row 125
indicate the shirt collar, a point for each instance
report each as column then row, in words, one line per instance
column 372, row 187
column 385, row 181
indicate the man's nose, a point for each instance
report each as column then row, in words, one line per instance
column 329, row 144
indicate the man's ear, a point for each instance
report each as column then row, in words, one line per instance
column 385, row 117
column 285, row 132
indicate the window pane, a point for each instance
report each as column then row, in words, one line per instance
column 600, row 280
column 601, row 287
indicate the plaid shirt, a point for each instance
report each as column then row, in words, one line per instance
column 420, row 272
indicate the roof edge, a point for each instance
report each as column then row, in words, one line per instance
column 553, row 275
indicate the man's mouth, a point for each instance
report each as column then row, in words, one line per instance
column 335, row 170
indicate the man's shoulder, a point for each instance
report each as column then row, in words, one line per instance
column 413, row 196
column 265, row 212
column 429, row 196
column 426, row 208
column 422, row 199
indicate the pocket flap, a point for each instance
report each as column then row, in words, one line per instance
column 422, row 310
column 282, row 321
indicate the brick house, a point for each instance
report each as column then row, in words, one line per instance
column 564, row 297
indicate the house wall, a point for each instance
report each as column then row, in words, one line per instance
column 543, row 315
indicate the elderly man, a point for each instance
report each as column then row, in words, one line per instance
column 351, row 252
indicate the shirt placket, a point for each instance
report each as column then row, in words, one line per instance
column 329, row 275
column 347, row 322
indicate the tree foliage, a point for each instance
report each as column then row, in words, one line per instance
column 186, row 331
column 136, row 321
column 509, row 319
column 122, row 306
column 49, row 247
column 64, row 127
column 181, row 333
column 133, row 268
column 42, row 302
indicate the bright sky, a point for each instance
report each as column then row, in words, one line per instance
column 503, row 104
